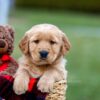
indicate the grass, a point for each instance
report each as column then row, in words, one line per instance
column 83, row 31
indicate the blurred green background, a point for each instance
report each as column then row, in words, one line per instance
column 80, row 20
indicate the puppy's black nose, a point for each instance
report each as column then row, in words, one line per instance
column 2, row 44
column 43, row 54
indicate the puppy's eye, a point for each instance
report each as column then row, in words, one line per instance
column 36, row 41
column 53, row 42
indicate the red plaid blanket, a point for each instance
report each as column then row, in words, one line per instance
column 6, row 85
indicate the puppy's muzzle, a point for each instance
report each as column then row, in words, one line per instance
column 43, row 54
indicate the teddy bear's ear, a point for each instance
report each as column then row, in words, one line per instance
column 24, row 45
column 11, row 30
column 2, row 28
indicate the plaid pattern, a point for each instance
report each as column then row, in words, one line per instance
column 6, row 91
column 6, row 86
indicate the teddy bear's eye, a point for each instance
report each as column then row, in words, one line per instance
column 3, row 37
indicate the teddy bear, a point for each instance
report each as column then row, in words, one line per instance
column 8, row 67
column 7, row 64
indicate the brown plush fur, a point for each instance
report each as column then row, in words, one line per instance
column 6, row 47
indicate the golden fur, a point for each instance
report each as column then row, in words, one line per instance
column 41, row 37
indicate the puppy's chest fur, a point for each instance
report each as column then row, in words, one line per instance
column 37, row 71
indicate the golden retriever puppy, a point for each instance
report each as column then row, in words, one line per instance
column 43, row 48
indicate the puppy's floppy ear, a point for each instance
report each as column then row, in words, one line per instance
column 65, row 44
column 24, row 45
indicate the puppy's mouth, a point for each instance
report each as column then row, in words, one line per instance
column 42, row 61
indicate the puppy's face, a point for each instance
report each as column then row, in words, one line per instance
column 44, row 47
column 44, row 44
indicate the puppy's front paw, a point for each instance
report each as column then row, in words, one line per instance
column 20, row 86
column 45, row 84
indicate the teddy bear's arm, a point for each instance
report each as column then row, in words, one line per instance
column 11, row 69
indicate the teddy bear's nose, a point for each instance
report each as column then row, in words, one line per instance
column 2, row 44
